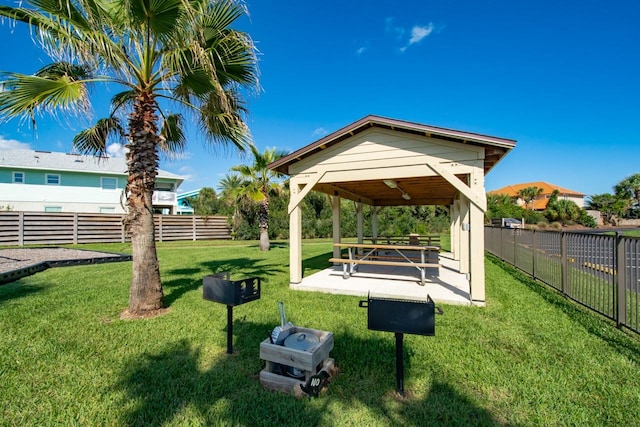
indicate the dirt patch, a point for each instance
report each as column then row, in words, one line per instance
column 127, row 315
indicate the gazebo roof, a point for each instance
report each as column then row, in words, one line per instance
column 433, row 190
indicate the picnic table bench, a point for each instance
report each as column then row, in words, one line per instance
column 419, row 256
column 411, row 239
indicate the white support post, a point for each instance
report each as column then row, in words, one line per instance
column 464, row 234
column 455, row 229
column 476, row 242
column 335, row 210
column 295, row 239
column 359, row 222
column 374, row 223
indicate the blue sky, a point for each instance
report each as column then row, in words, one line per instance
column 559, row 77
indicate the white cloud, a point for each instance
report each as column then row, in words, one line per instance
column 361, row 50
column 12, row 144
column 320, row 132
column 419, row 32
column 186, row 172
column 116, row 150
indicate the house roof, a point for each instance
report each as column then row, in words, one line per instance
column 547, row 190
column 370, row 187
column 67, row 162
column 495, row 148
column 192, row 193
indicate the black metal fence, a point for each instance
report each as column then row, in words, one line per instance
column 601, row 272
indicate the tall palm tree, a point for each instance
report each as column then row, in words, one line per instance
column 260, row 182
column 167, row 55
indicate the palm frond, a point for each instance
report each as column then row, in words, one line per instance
column 94, row 139
column 64, row 31
column 161, row 16
column 57, row 70
column 122, row 99
column 173, row 139
column 25, row 95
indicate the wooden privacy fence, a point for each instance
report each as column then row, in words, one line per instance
column 42, row 228
column 601, row 272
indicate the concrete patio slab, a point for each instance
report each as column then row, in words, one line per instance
column 444, row 285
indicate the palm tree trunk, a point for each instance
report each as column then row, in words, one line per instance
column 263, row 223
column 145, row 293
column 142, row 160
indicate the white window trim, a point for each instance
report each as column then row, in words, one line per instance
column 102, row 183
column 46, row 179
column 13, row 177
column 107, row 209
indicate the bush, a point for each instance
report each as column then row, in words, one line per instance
column 587, row 220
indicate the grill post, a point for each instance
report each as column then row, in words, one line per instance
column 229, row 329
column 399, row 363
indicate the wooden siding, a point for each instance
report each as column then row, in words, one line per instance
column 39, row 228
column 370, row 147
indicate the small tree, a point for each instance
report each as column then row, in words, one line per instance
column 231, row 189
column 611, row 208
column 259, row 183
column 629, row 189
column 205, row 203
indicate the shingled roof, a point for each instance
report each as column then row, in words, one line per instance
column 69, row 162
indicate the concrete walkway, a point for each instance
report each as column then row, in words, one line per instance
column 446, row 286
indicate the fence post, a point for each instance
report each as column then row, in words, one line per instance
column 159, row 228
column 195, row 227
column 123, row 233
column 533, row 253
column 563, row 262
column 621, row 280
column 21, row 229
column 75, row 228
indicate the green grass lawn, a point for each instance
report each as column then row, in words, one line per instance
column 528, row 358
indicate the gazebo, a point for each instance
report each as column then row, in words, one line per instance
column 387, row 162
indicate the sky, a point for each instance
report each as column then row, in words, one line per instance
column 559, row 77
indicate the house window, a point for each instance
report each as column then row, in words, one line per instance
column 109, row 183
column 53, row 179
column 107, row 209
column 18, row 177
column 53, row 208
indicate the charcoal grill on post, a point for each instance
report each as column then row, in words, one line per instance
column 219, row 288
column 401, row 316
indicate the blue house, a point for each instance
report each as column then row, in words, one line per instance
column 45, row 181
column 184, row 207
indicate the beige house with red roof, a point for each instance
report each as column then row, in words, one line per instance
column 541, row 201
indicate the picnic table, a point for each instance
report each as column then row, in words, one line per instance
column 420, row 257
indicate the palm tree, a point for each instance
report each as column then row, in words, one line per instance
column 529, row 194
column 167, row 55
column 232, row 193
column 260, row 182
